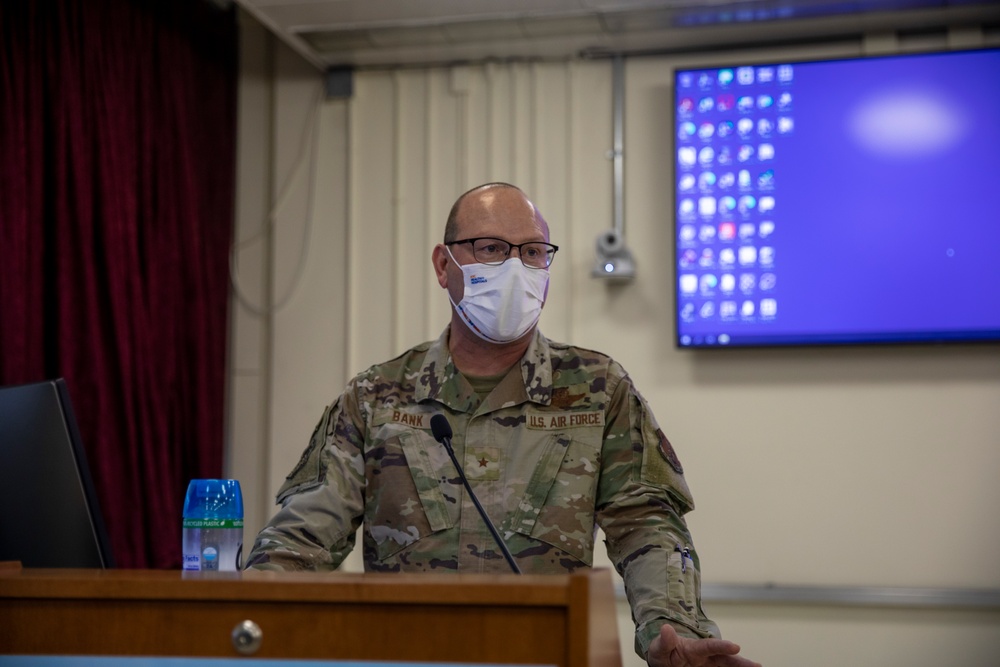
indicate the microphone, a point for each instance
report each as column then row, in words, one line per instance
column 441, row 430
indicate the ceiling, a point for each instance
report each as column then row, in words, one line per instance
column 375, row 33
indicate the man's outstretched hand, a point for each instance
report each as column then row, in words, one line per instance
column 672, row 650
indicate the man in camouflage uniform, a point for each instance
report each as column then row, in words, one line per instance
column 555, row 441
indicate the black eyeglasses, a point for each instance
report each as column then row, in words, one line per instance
column 534, row 255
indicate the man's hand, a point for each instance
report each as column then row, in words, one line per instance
column 672, row 650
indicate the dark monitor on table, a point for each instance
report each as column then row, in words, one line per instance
column 49, row 514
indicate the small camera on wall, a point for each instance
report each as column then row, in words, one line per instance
column 614, row 260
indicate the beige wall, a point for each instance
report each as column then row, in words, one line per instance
column 836, row 467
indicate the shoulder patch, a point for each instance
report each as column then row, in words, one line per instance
column 667, row 452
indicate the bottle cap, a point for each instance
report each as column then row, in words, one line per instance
column 213, row 499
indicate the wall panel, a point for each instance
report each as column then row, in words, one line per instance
column 843, row 467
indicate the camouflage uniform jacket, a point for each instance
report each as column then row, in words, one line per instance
column 563, row 444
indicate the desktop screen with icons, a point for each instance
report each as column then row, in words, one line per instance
column 838, row 202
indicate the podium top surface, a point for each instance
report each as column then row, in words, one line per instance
column 510, row 589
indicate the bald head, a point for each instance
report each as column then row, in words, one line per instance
column 497, row 205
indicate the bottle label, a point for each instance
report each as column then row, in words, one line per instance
column 213, row 545
column 213, row 523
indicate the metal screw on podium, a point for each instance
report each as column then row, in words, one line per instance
column 247, row 637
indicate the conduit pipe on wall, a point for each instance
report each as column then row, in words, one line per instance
column 614, row 260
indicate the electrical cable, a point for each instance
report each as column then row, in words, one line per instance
column 307, row 143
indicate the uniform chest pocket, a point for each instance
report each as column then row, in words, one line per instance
column 558, row 503
column 407, row 493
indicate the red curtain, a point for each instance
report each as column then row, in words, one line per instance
column 117, row 158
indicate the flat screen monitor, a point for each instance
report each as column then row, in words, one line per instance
column 49, row 514
column 838, row 202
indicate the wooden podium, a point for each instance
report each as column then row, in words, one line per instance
column 563, row 620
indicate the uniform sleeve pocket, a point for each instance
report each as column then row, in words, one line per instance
column 684, row 581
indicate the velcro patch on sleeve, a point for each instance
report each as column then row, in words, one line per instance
column 667, row 452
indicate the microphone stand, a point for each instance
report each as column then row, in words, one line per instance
column 442, row 433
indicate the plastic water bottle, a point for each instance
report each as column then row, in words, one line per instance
column 213, row 526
